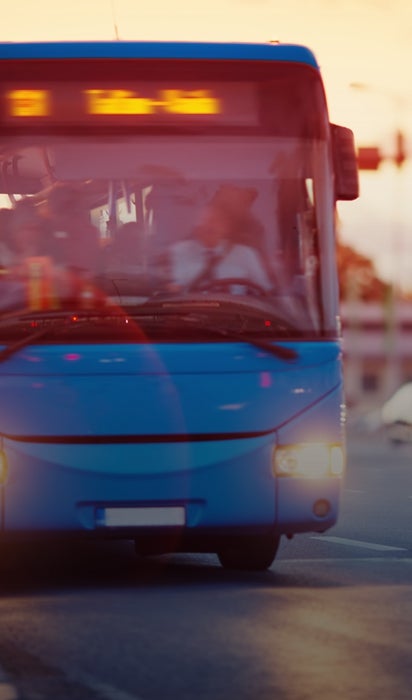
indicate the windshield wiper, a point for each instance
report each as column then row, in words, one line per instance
column 284, row 353
column 194, row 314
column 185, row 317
column 49, row 327
column 12, row 348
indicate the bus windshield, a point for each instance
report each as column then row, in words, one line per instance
column 217, row 197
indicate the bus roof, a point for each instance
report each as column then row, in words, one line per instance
column 157, row 49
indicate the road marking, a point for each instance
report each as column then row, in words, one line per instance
column 359, row 543
column 339, row 560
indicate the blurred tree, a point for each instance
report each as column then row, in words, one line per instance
column 358, row 278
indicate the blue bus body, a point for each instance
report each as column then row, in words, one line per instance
column 178, row 442
column 159, row 50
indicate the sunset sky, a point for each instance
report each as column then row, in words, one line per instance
column 355, row 41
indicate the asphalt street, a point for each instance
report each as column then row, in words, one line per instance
column 331, row 619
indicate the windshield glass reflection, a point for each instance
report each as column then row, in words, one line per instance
column 126, row 221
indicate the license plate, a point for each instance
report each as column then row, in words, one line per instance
column 171, row 516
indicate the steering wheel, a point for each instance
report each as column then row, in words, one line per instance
column 220, row 285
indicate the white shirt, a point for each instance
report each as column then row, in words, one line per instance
column 189, row 258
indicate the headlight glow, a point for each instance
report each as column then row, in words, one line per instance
column 311, row 460
column 337, row 460
column 3, row 466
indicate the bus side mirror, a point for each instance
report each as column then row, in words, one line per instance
column 345, row 163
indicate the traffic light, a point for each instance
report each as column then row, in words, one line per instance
column 400, row 151
column 369, row 158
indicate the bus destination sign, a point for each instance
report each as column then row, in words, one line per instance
column 232, row 103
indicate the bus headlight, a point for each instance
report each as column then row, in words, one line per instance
column 312, row 460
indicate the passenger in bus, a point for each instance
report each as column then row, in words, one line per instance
column 214, row 253
column 73, row 241
column 127, row 253
column 6, row 247
column 238, row 201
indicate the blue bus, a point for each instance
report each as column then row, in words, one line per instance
column 170, row 358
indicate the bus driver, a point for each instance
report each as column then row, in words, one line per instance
column 213, row 254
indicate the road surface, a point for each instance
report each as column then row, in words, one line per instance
column 331, row 619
